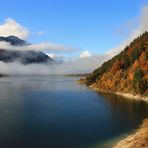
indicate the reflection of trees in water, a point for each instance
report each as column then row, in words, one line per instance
column 125, row 108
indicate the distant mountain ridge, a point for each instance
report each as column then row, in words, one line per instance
column 126, row 72
column 13, row 40
column 24, row 57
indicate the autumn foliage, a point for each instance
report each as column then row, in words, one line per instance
column 126, row 72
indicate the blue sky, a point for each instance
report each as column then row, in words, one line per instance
column 87, row 24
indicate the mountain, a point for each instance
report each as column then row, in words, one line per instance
column 13, row 40
column 25, row 57
column 127, row 72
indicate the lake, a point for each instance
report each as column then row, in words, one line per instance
column 57, row 112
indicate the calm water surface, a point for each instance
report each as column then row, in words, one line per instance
column 56, row 112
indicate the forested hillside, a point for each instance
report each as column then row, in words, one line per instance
column 126, row 72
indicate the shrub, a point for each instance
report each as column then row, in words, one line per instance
column 143, row 85
column 137, row 76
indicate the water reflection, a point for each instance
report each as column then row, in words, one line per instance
column 126, row 108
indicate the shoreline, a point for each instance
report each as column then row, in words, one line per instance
column 136, row 97
column 126, row 95
column 132, row 96
column 137, row 140
column 110, row 143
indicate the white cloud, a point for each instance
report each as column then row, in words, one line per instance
column 11, row 27
column 85, row 54
column 16, row 68
column 81, row 65
column 56, row 57
column 37, row 47
column 39, row 33
column 144, row 19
